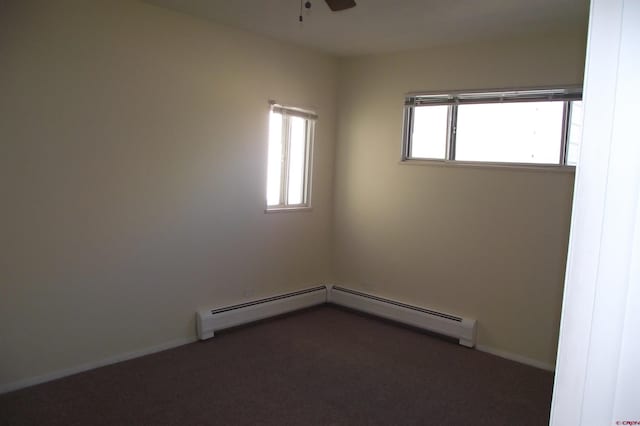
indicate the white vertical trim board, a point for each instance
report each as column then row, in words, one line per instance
column 58, row 374
column 597, row 367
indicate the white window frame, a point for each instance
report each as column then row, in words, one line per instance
column 310, row 118
column 454, row 98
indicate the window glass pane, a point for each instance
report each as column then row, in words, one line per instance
column 518, row 132
column 575, row 133
column 298, row 138
column 429, row 137
column 274, row 166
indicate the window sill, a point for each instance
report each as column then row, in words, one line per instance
column 546, row 168
column 287, row 209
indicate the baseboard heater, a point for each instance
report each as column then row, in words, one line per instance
column 463, row 329
column 208, row 321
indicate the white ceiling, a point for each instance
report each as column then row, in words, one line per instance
column 376, row 26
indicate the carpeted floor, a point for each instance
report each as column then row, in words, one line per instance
column 324, row 366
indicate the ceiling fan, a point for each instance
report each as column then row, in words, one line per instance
column 334, row 5
column 337, row 5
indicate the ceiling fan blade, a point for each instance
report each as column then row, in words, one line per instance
column 337, row 5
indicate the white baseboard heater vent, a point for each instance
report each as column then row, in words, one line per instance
column 208, row 321
column 463, row 329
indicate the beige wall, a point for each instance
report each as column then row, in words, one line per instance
column 133, row 151
column 132, row 178
column 482, row 242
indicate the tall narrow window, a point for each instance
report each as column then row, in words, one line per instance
column 290, row 154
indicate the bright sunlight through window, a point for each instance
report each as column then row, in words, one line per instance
column 289, row 158
column 541, row 127
column 523, row 132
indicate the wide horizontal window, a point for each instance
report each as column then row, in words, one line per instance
column 518, row 127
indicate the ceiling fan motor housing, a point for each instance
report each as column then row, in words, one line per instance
column 337, row 5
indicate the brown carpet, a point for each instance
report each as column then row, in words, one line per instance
column 324, row 366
